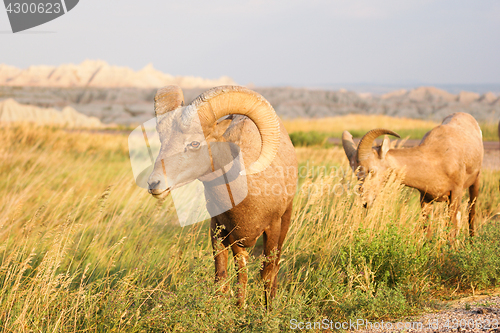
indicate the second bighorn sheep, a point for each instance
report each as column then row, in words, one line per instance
column 447, row 161
column 191, row 140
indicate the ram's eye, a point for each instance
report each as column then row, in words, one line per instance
column 194, row 145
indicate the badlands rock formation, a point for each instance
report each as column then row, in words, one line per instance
column 428, row 103
column 13, row 112
column 97, row 73
column 132, row 106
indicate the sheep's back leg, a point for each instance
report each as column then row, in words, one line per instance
column 220, row 244
column 473, row 193
column 285, row 225
column 268, row 272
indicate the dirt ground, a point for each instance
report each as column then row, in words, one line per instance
column 491, row 159
column 471, row 314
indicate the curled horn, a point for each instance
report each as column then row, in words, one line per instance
column 348, row 144
column 224, row 100
column 168, row 99
column 366, row 143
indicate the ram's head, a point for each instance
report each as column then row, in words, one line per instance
column 369, row 163
column 189, row 134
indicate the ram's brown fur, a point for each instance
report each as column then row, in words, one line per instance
column 265, row 211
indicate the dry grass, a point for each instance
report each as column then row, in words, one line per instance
column 84, row 249
column 356, row 123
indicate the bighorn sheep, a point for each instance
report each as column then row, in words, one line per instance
column 447, row 161
column 270, row 172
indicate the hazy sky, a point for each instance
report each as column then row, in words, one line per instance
column 280, row 42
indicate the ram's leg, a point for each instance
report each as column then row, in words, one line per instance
column 454, row 210
column 268, row 272
column 473, row 193
column 240, row 259
column 426, row 215
column 220, row 244
column 285, row 224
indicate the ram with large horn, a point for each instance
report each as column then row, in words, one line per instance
column 191, row 138
column 447, row 161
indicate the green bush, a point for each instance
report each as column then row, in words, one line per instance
column 307, row 139
column 476, row 264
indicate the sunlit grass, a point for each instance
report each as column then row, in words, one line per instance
column 356, row 122
column 84, row 249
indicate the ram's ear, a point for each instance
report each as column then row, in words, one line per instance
column 349, row 146
column 386, row 145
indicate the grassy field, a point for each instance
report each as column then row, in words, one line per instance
column 315, row 132
column 83, row 249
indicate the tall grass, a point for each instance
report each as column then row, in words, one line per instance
column 84, row 249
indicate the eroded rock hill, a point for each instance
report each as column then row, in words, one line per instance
column 98, row 73
column 13, row 112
